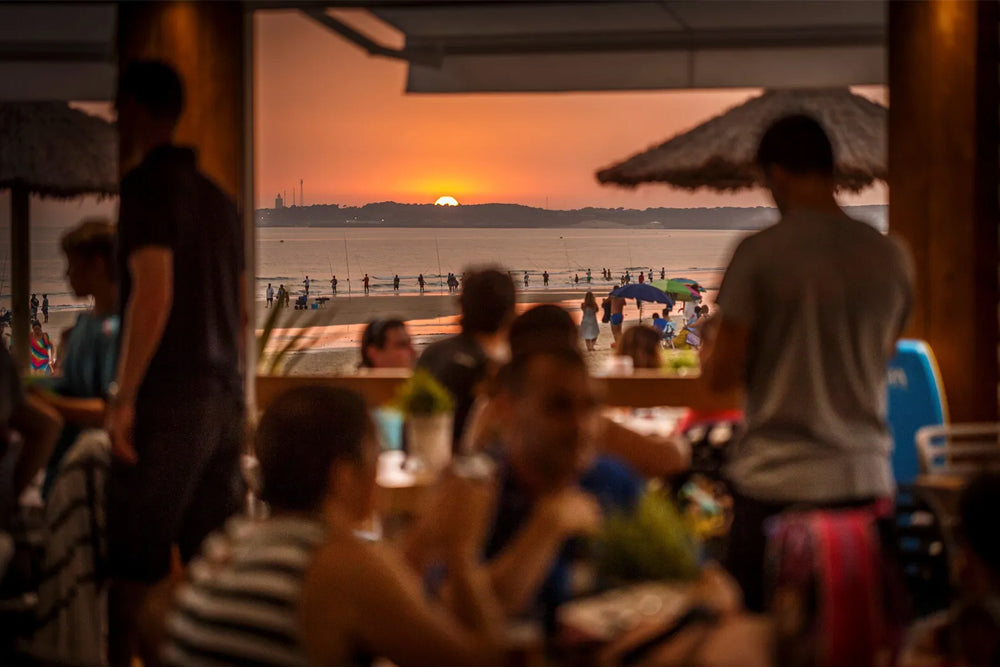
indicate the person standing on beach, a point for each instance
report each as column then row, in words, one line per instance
column 576, row 279
column 663, row 273
column 525, row 278
column 333, row 285
column 281, row 295
column 45, row 308
column 34, row 306
column 306, row 283
column 545, row 279
column 395, row 283
column 589, row 277
column 617, row 316
column 175, row 410
column 270, row 295
column 589, row 329
column 366, row 282
column 823, row 298
column 43, row 351
column 421, row 282
column 642, row 277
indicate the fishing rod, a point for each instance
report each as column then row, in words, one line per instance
column 438, row 251
column 347, row 260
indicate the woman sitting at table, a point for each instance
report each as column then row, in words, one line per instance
column 302, row 588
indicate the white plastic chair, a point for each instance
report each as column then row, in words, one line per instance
column 959, row 449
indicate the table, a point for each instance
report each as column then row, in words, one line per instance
column 943, row 491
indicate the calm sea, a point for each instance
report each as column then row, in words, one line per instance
column 287, row 255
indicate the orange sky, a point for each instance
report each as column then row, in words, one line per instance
column 328, row 113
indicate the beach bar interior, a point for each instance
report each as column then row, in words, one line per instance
column 939, row 59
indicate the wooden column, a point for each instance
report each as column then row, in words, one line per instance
column 203, row 41
column 20, row 283
column 943, row 186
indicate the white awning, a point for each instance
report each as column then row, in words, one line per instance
column 574, row 46
column 59, row 51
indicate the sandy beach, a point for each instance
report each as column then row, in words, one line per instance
column 325, row 340
column 328, row 338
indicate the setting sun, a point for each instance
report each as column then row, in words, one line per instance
column 446, row 201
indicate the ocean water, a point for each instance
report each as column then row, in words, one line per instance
column 286, row 255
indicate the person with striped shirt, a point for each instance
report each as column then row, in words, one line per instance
column 301, row 588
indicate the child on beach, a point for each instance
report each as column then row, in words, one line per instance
column 43, row 352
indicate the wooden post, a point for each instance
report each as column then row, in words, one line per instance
column 20, row 282
column 943, row 186
column 203, row 41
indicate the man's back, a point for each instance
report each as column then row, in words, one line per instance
column 460, row 364
column 823, row 298
column 167, row 202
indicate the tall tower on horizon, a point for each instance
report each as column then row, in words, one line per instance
column 302, row 199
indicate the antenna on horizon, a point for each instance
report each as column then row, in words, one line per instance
column 302, row 198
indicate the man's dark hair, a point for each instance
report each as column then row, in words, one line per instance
column 542, row 328
column 514, row 375
column 155, row 85
column 302, row 433
column 93, row 238
column 487, row 301
column 375, row 334
column 978, row 509
column 798, row 144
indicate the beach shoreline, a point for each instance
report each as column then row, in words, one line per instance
column 326, row 340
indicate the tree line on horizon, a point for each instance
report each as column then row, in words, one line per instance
column 394, row 214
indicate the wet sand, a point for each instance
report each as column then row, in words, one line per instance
column 325, row 341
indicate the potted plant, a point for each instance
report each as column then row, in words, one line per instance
column 654, row 541
column 429, row 412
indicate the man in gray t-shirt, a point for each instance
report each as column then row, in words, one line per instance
column 810, row 310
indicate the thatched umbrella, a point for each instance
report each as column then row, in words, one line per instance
column 51, row 150
column 719, row 154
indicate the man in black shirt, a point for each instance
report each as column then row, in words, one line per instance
column 175, row 411
column 461, row 362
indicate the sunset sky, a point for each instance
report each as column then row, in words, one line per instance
column 330, row 114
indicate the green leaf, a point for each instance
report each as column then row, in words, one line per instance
column 653, row 542
column 423, row 395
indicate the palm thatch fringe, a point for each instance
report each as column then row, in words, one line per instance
column 719, row 154
column 54, row 150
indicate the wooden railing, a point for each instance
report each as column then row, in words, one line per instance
column 642, row 389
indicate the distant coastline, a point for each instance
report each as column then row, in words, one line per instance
column 393, row 214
